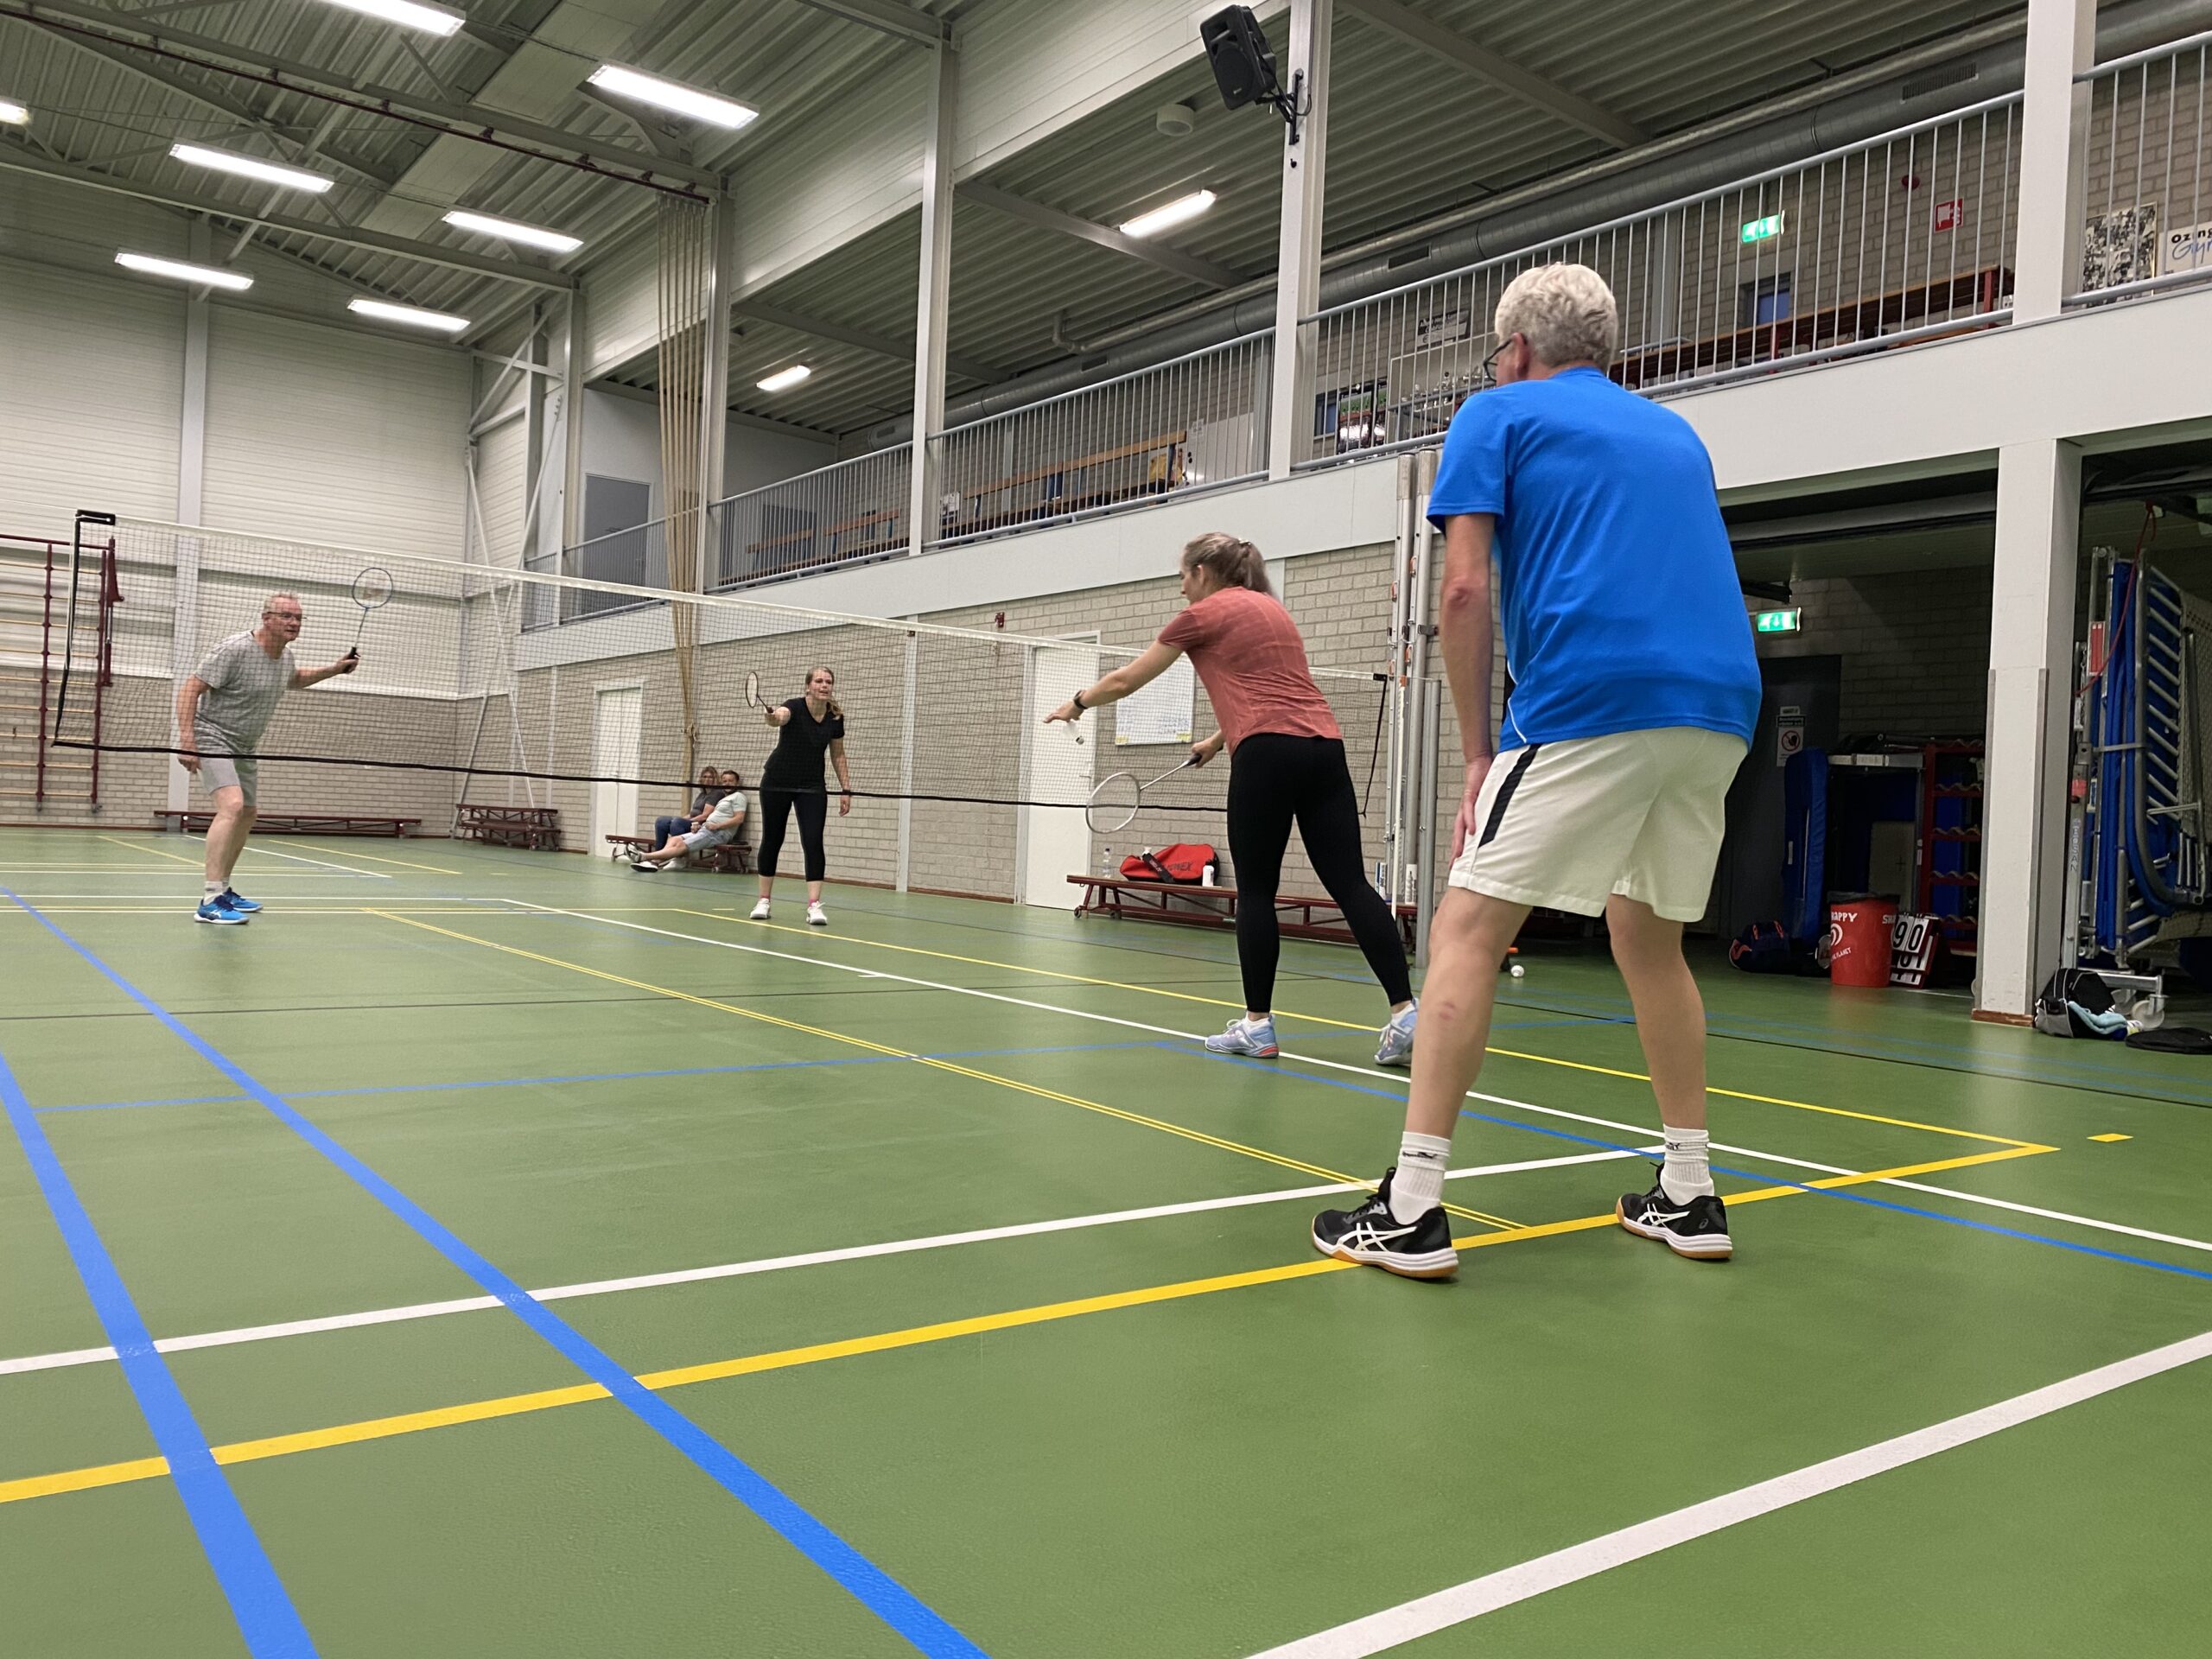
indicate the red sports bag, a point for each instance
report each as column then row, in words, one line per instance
column 1184, row 861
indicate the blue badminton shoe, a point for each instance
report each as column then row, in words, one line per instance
column 216, row 910
column 240, row 903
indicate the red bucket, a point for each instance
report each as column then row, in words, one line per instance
column 1860, row 935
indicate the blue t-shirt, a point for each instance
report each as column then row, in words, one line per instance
column 1622, row 607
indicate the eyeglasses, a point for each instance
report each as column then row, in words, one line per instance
column 286, row 616
column 1489, row 375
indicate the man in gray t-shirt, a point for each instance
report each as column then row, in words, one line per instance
column 222, row 708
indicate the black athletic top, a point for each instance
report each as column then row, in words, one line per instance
column 796, row 762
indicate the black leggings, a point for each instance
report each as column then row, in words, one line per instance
column 813, row 809
column 1273, row 778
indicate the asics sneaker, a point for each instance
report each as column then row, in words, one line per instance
column 1697, row 1229
column 1371, row 1235
column 1395, row 1046
column 1254, row 1037
column 817, row 917
column 760, row 912
column 240, row 903
column 214, row 910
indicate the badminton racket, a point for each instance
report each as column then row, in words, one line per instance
column 372, row 590
column 1121, row 797
column 752, row 691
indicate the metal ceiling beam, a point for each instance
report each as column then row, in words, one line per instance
column 238, row 109
column 1432, row 37
column 900, row 351
column 466, row 120
column 23, row 161
column 888, row 17
column 1188, row 266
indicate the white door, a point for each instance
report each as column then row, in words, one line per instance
column 1060, row 765
column 617, row 726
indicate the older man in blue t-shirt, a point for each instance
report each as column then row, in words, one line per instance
column 1635, row 687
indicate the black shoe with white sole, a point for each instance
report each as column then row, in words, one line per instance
column 1372, row 1236
column 1697, row 1229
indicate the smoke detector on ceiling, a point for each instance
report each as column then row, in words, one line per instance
column 1176, row 120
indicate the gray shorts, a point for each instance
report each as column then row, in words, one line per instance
column 230, row 771
column 701, row 841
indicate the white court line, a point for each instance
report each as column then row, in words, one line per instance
column 743, row 1269
column 1408, row 1622
column 301, row 858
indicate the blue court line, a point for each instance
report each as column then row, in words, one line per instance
column 266, row 1618
column 1741, row 1174
column 884, row 1595
column 587, row 1077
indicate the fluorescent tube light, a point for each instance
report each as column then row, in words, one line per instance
column 431, row 20
column 177, row 271
column 669, row 95
column 784, row 378
column 13, row 114
column 413, row 317
column 508, row 231
column 248, row 167
column 1175, row 213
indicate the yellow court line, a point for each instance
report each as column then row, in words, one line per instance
column 158, row 852
column 1346, row 1025
column 515, row 1405
column 1161, row 1124
column 404, row 864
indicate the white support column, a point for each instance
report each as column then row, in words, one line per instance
column 1298, row 248
column 537, row 442
column 191, row 487
column 934, row 294
column 2022, row 897
column 572, row 426
column 2054, row 124
column 714, row 397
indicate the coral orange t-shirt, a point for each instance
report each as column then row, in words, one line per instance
column 1248, row 651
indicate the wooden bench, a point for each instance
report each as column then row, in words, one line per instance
column 195, row 821
column 1300, row 915
column 533, row 827
column 731, row 858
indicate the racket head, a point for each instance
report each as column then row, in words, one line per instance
column 752, row 691
column 1114, row 804
column 372, row 588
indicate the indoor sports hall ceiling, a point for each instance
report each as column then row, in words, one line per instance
column 1412, row 134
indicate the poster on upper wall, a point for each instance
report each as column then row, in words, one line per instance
column 2185, row 248
column 2119, row 247
column 1160, row 713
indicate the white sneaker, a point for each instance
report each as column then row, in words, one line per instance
column 759, row 911
column 817, row 917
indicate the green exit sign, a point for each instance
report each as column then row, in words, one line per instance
column 1777, row 621
column 1763, row 230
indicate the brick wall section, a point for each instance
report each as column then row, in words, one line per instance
column 1915, row 648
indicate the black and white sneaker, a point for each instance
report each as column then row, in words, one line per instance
column 1372, row 1236
column 1697, row 1229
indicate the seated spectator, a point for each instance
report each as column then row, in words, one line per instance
column 721, row 825
column 711, row 788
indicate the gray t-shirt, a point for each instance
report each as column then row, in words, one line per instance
column 244, row 685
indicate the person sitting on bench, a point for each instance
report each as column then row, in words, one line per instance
column 670, row 823
column 722, row 826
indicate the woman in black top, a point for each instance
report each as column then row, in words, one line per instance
column 792, row 782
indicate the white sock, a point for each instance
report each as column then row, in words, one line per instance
column 1418, row 1187
column 212, row 890
column 1688, row 1173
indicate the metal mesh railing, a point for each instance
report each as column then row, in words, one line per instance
column 851, row 512
column 1903, row 235
column 1194, row 423
column 2143, row 167
column 637, row 557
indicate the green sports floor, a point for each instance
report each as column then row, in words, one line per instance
column 556, row 1263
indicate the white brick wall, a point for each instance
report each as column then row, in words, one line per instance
column 1915, row 648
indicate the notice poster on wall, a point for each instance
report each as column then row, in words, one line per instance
column 1161, row 712
column 2185, row 247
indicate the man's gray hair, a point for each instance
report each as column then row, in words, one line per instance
column 1566, row 314
column 268, row 603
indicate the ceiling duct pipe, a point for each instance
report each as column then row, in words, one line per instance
column 1964, row 68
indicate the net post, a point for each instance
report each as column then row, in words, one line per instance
column 907, row 765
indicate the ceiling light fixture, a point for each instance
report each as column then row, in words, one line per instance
column 431, row 20
column 508, row 231
column 248, row 167
column 669, row 95
column 413, row 317
column 13, row 114
column 1175, row 213
column 177, row 271
column 783, row 379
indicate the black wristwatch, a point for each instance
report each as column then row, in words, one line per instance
column 1078, row 702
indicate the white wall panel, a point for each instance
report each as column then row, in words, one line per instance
column 92, row 377
column 336, row 437
column 502, row 478
column 621, row 304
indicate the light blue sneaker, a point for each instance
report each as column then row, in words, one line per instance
column 240, row 903
column 1254, row 1037
column 216, row 910
column 1396, row 1046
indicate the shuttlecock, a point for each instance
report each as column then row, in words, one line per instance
column 1518, row 971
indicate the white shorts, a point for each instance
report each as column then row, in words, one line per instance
column 1566, row 825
